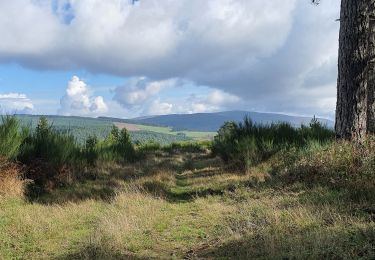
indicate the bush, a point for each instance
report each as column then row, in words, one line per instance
column 117, row 147
column 246, row 144
column 50, row 146
column 49, row 155
column 189, row 147
column 339, row 165
column 11, row 137
column 91, row 150
column 142, row 149
column 124, row 146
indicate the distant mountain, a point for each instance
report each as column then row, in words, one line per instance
column 205, row 122
column 213, row 121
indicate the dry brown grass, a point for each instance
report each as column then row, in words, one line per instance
column 127, row 126
column 159, row 209
column 10, row 180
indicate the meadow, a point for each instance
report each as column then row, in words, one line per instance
column 190, row 134
column 254, row 192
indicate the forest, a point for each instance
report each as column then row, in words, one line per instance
column 83, row 127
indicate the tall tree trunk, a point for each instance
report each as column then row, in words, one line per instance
column 355, row 111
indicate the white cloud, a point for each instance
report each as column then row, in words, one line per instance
column 138, row 90
column 15, row 103
column 79, row 101
column 160, row 108
column 218, row 97
column 98, row 105
column 155, row 37
column 215, row 100
column 143, row 97
column 262, row 51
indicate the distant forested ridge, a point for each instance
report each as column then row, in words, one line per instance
column 180, row 126
column 213, row 121
column 83, row 127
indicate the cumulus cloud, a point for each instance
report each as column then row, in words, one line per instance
column 155, row 36
column 143, row 96
column 79, row 101
column 218, row 97
column 215, row 100
column 263, row 51
column 15, row 103
column 160, row 108
column 140, row 89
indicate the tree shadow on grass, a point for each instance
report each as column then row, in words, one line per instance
column 355, row 243
column 79, row 191
column 185, row 193
column 101, row 183
column 98, row 253
column 200, row 173
column 105, row 182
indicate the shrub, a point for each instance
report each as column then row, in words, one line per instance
column 189, row 147
column 50, row 146
column 124, row 146
column 11, row 137
column 339, row 165
column 91, row 150
column 245, row 144
column 114, row 135
column 117, row 147
column 144, row 148
column 49, row 155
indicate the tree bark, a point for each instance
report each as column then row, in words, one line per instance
column 355, row 110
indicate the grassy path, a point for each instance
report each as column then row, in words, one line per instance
column 184, row 206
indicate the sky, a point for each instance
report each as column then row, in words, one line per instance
column 115, row 58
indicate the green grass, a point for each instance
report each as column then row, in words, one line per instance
column 186, row 205
column 158, row 129
column 168, row 130
column 309, row 200
column 199, row 135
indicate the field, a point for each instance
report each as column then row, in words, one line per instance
column 186, row 205
column 167, row 130
column 254, row 192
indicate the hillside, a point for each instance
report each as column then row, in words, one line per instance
column 164, row 129
column 83, row 127
column 211, row 122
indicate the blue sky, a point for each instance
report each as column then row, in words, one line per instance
column 112, row 58
column 46, row 87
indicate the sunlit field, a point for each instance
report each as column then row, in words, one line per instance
column 186, row 203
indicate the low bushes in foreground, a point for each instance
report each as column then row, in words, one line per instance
column 245, row 144
column 54, row 158
column 50, row 157
column 341, row 165
column 308, row 155
column 11, row 137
